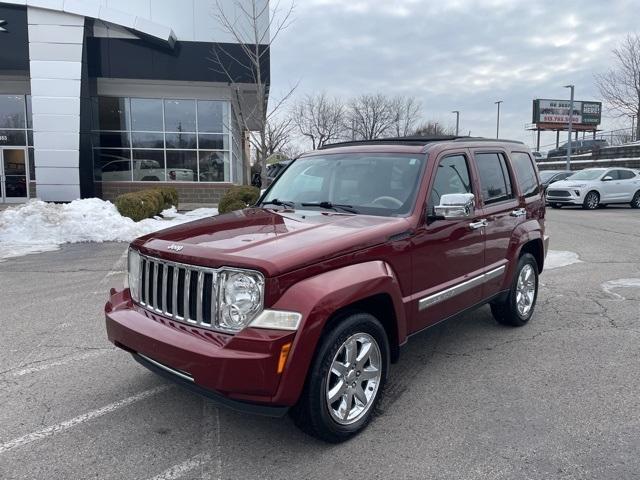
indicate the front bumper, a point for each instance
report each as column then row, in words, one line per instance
column 237, row 371
column 565, row 196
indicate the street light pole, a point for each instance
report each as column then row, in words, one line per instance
column 457, row 112
column 572, row 87
column 498, row 120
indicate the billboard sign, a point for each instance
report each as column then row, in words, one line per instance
column 557, row 112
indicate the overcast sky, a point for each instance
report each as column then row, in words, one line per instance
column 455, row 55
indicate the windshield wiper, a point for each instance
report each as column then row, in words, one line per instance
column 279, row 203
column 331, row 206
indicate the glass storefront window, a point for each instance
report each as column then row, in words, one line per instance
column 182, row 141
column 180, row 115
column 144, row 139
column 212, row 116
column 147, row 140
column 146, row 115
column 214, row 166
column 112, row 165
column 148, row 166
column 182, row 166
column 111, row 113
column 12, row 111
column 32, row 165
column 13, row 138
column 112, row 139
column 216, row 141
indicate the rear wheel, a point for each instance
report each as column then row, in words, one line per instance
column 635, row 202
column 517, row 308
column 345, row 380
column 591, row 201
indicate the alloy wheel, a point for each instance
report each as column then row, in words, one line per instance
column 525, row 290
column 592, row 200
column 354, row 378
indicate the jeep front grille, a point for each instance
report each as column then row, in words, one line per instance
column 183, row 292
column 558, row 193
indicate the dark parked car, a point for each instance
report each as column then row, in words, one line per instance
column 301, row 302
column 578, row 147
column 547, row 177
column 274, row 169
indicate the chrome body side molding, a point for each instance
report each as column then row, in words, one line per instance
column 465, row 286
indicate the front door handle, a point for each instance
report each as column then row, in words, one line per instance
column 479, row 224
column 519, row 212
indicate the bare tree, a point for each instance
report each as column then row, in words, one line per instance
column 432, row 127
column 407, row 112
column 620, row 86
column 370, row 117
column 254, row 29
column 278, row 134
column 319, row 118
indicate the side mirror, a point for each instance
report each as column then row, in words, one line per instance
column 455, row 206
column 607, row 178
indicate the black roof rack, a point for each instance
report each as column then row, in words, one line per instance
column 415, row 140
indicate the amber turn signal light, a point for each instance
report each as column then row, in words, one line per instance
column 284, row 353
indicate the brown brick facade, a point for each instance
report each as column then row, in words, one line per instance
column 187, row 192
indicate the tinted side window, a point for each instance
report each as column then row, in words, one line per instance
column 494, row 177
column 525, row 173
column 613, row 174
column 452, row 176
column 625, row 174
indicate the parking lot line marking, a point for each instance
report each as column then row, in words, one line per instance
column 177, row 471
column 63, row 361
column 61, row 427
column 211, row 437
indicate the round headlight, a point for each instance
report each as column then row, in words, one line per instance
column 241, row 299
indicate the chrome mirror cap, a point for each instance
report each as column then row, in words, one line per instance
column 455, row 206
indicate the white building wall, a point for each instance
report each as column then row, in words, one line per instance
column 55, row 58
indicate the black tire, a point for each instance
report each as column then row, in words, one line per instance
column 311, row 414
column 591, row 200
column 635, row 202
column 556, row 205
column 150, row 179
column 506, row 312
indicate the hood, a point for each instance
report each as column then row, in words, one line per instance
column 270, row 241
column 569, row 184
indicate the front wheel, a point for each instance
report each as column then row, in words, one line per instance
column 345, row 380
column 591, row 201
column 518, row 307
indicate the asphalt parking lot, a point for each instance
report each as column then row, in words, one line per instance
column 557, row 399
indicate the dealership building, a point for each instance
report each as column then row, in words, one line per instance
column 102, row 97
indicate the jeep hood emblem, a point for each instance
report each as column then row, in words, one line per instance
column 175, row 248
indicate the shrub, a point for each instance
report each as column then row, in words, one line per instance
column 237, row 198
column 146, row 203
column 169, row 195
column 140, row 205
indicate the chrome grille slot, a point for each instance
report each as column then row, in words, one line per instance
column 183, row 292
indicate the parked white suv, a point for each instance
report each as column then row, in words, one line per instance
column 594, row 187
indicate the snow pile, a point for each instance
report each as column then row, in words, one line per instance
column 560, row 258
column 42, row 227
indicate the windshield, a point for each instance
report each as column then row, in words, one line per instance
column 372, row 184
column 587, row 174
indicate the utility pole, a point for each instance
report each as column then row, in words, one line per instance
column 498, row 120
column 457, row 112
column 572, row 87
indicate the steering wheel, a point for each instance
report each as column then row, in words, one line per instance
column 389, row 202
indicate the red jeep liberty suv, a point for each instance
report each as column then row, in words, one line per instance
column 301, row 302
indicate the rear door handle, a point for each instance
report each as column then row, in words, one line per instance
column 479, row 224
column 520, row 212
